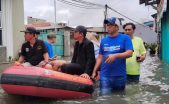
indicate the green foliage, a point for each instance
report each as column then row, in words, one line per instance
column 146, row 45
column 153, row 46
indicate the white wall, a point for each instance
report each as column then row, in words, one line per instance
column 18, row 25
column 7, row 37
column 12, row 23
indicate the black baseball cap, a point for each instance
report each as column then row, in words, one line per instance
column 81, row 29
column 37, row 32
column 30, row 30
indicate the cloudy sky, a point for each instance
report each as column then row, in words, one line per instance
column 74, row 16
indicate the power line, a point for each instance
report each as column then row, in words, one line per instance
column 124, row 15
column 78, row 5
column 88, row 3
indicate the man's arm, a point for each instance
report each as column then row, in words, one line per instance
column 20, row 60
column 97, row 65
column 142, row 57
column 123, row 55
column 90, row 58
column 46, row 57
column 142, row 51
column 128, row 46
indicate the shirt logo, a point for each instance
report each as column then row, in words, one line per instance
column 112, row 48
column 27, row 49
column 39, row 47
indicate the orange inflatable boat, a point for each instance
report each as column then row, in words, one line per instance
column 36, row 81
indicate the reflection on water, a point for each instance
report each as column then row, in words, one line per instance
column 152, row 89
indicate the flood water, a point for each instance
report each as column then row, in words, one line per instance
column 152, row 89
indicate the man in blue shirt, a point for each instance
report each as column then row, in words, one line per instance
column 114, row 49
column 51, row 40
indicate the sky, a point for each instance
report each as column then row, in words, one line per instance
column 74, row 16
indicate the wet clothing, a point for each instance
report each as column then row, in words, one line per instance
column 83, row 56
column 112, row 84
column 112, row 45
column 113, row 75
column 133, row 67
column 72, row 68
column 133, row 79
column 33, row 55
column 49, row 48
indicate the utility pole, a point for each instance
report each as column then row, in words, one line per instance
column 55, row 15
column 120, row 20
column 105, row 17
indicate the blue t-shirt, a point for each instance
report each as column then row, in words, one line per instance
column 112, row 45
column 49, row 48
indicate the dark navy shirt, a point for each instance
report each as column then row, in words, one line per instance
column 34, row 55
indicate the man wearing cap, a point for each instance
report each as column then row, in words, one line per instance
column 33, row 51
column 114, row 49
column 83, row 59
column 139, row 54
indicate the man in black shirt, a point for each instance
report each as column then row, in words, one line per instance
column 83, row 60
column 33, row 51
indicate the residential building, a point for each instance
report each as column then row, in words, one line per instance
column 32, row 20
column 64, row 42
column 162, row 21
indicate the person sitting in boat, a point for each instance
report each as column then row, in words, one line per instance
column 51, row 39
column 53, row 59
column 83, row 59
column 33, row 51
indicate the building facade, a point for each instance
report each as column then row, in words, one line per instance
column 11, row 22
column 163, row 23
column 63, row 44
